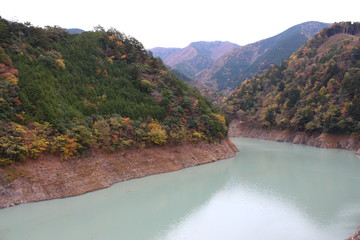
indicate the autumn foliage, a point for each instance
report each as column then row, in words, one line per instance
column 65, row 94
column 317, row 89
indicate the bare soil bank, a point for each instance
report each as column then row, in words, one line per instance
column 349, row 142
column 50, row 178
column 356, row 235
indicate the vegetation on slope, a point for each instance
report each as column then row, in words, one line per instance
column 317, row 89
column 65, row 93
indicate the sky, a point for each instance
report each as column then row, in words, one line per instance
column 176, row 23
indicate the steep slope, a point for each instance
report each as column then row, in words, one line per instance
column 65, row 93
column 195, row 57
column 247, row 61
column 316, row 90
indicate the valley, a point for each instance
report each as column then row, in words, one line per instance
column 83, row 110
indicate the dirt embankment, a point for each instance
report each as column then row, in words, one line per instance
column 356, row 235
column 349, row 142
column 50, row 178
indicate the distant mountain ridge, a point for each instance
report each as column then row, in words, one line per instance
column 194, row 58
column 233, row 68
column 163, row 52
column 74, row 30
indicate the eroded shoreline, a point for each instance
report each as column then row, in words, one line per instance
column 50, row 178
column 348, row 142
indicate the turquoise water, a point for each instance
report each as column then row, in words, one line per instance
column 269, row 190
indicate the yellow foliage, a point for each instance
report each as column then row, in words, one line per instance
column 119, row 43
column 60, row 63
column 109, row 59
column 11, row 78
column 323, row 90
column 197, row 136
column 32, row 140
column 156, row 134
column 221, row 118
column 67, row 146
column 20, row 116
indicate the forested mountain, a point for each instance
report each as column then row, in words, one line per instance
column 228, row 72
column 317, row 89
column 65, row 93
column 195, row 57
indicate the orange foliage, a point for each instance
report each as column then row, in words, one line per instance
column 10, row 77
column 126, row 121
column 105, row 73
column 17, row 101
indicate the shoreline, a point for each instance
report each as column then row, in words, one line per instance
column 323, row 140
column 50, row 178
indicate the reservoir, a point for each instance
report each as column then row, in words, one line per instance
column 269, row 190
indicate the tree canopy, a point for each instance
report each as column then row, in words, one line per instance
column 65, row 93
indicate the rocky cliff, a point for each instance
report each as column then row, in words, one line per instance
column 50, row 178
column 323, row 140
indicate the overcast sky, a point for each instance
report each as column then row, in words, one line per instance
column 176, row 23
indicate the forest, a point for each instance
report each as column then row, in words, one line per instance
column 65, row 94
column 316, row 90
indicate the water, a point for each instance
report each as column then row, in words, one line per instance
column 268, row 191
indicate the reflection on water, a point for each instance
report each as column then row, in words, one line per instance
column 269, row 190
column 241, row 213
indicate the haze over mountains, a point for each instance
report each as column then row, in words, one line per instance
column 195, row 57
column 226, row 70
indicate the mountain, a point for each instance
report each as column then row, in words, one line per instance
column 66, row 93
column 317, row 89
column 74, row 30
column 233, row 68
column 195, row 57
column 162, row 52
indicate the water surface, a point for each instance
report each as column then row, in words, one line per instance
column 269, row 190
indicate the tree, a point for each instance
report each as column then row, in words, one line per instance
column 156, row 134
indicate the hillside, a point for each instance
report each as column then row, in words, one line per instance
column 66, row 93
column 316, row 90
column 195, row 57
column 233, row 68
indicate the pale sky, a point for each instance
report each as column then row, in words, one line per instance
column 176, row 23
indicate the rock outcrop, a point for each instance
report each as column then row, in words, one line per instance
column 50, row 178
